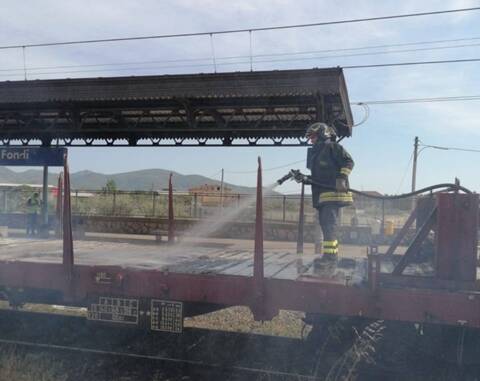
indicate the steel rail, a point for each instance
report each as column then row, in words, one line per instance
column 156, row 358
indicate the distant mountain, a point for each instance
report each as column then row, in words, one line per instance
column 143, row 180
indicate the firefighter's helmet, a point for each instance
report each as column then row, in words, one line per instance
column 322, row 130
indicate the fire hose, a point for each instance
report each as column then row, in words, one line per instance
column 296, row 175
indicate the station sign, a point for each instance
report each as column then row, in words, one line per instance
column 32, row 156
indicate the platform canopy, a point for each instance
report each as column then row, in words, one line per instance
column 241, row 108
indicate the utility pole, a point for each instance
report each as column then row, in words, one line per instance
column 414, row 169
column 221, row 193
column 44, row 227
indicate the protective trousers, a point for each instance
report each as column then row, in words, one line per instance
column 328, row 217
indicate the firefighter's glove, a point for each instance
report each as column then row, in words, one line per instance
column 299, row 177
column 307, row 180
column 341, row 185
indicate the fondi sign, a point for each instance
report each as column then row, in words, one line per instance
column 32, row 156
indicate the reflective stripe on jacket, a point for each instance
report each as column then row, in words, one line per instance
column 329, row 161
column 341, row 197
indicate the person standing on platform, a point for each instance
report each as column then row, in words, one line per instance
column 33, row 209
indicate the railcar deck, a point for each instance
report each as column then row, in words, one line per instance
column 220, row 257
column 222, row 273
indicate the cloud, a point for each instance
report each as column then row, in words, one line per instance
column 50, row 20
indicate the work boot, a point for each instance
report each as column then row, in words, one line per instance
column 325, row 262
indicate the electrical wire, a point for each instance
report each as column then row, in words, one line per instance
column 419, row 100
column 362, row 47
column 405, row 173
column 412, row 63
column 450, row 148
column 365, row 117
column 266, row 169
column 215, row 174
column 370, row 53
column 247, row 30
column 250, row 59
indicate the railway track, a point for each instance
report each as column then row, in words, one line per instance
column 101, row 352
column 213, row 371
column 200, row 354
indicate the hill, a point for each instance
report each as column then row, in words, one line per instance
column 142, row 180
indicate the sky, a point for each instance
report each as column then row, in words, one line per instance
column 381, row 147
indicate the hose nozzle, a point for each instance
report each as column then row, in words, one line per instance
column 288, row 176
column 293, row 174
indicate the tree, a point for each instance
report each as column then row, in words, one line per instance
column 110, row 186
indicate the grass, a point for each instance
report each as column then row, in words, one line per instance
column 17, row 366
column 362, row 351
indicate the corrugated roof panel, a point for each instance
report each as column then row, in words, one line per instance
column 249, row 84
column 273, row 104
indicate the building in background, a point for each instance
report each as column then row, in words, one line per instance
column 212, row 195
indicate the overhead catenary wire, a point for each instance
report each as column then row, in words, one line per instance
column 365, row 104
column 252, row 56
column 218, row 60
column 265, row 169
column 369, row 53
column 242, row 30
column 368, row 66
column 457, row 98
column 367, row 47
column 411, row 63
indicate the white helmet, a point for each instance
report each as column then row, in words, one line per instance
column 322, row 130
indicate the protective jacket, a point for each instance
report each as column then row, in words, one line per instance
column 329, row 161
column 33, row 205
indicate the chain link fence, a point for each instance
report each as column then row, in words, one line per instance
column 380, row 215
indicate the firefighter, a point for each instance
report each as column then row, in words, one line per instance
column 330, row 165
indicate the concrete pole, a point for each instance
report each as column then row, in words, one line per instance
column 221, row 193
column 414, row 169
column 45, row 230
column 382, row 232
column 5, row 201
column 258, row 307
column 171, row 217
column 301, row 222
